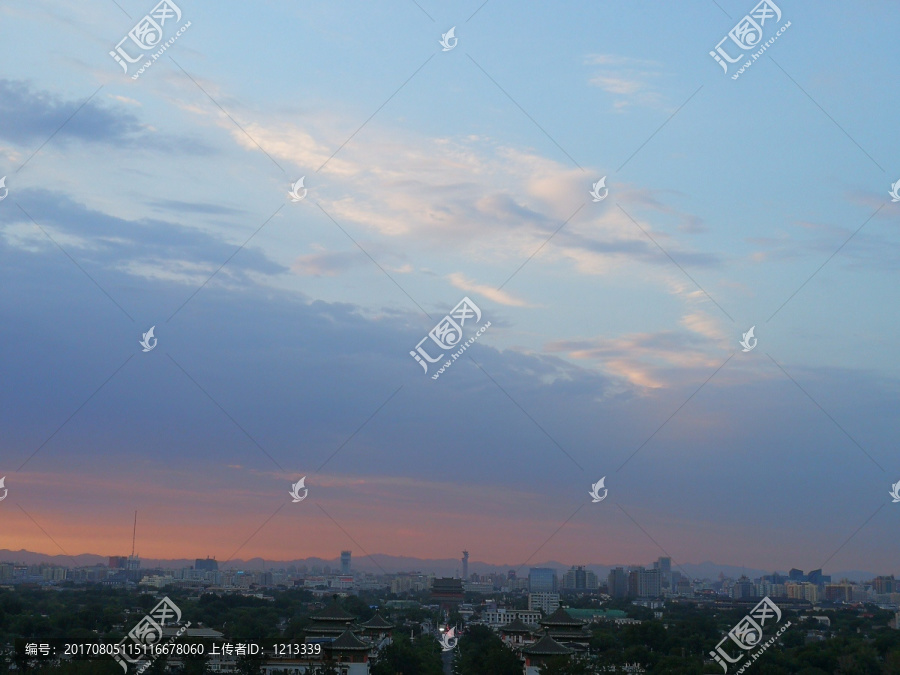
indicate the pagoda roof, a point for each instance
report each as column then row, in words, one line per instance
column 377, row 622
column 334, row 612
column 561, row 618
column 568, row 634
column 517, row 626
column 546, row 646
column 347, row 641
column 330, row 628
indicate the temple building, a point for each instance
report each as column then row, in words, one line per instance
column 346, row 645
column 377, row 628
column 517, row 634
column 349, row 654
column 540, row 652
column 448, row 593
column 330, row 623
column 566, row 630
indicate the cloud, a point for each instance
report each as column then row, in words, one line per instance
column 628, row 79
column 193, row 207
column 32, row 116
column 498, row 296
column 148, row 248
column 877, row 249
column 325, row 264
column 652, row 360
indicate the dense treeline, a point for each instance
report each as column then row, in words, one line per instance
column 857, row 641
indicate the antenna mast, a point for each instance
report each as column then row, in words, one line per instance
column 134, row 534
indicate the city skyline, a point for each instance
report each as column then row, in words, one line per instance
column 376, row 564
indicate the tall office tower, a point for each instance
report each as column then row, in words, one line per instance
column 542, row 580
column 644, row 583
column 665, row 571
column 577, row 579
column 617, row 582
column 208, row 565
column 465, row 566
column 345, row 562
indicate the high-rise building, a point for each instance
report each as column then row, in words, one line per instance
column 542, row 580
column 842, row 592
column 617, row 582
column 208, row 565
column 796, row 575
column 579, row 579
column 345, row 562
column 803, row 591
column 465, row 565
column 664, row 565
column 885, row 584
column 644, row 583
column 117, row 562
column 816, row 577
column 133, row 568
column 743, row 588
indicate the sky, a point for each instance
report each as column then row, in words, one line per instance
column 610, row 343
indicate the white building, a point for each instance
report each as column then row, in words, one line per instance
column 545, row 602
column 501, row 617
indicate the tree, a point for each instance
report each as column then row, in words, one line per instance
column 566, row 665
column 423, row 655
column 481, row 651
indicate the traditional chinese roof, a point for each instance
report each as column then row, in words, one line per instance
column 377, row 622
column 546, row 646
column 566, row 635
column 331, row 628
column 447, row 585
column 561, row 618
column 517, row 626
column 348, row 642
column 335, row 613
